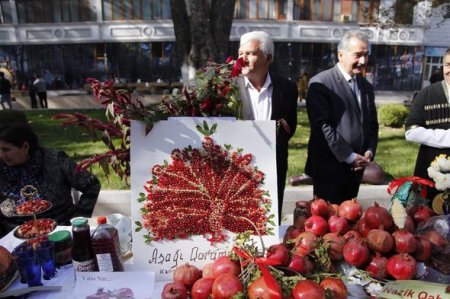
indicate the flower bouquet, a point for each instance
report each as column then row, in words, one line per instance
column 439, row 171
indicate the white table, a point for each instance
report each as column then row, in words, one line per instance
column 65, row 276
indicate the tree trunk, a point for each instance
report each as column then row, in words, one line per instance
column 202, row 32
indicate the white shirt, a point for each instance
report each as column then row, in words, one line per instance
column 351, row 80
column 438, row 138
column 261, row 100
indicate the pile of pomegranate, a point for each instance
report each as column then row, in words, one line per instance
column 323, row 236
column 369, row 240
column 223, row 279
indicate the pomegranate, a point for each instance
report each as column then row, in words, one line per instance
column 186, row 275
column 350, row 209
column 423, row 249
column 317, row 225
column 401, row 266
column 207, row 270
column 336, row 245
column 226, row 286
column 422, row 213
column 377, row 266
column 338, row 224
column 319, row 207
column 376, row 215
column 336, row 286
column 291, row 234
column 298, row 264
column 434, row 237
column 278, row 255
column 6, row 260
column 362, row 227
column 355, row 253
column 308, row 289
column 380, row 240
column 305, row 243
column 258, row 289
column 405, row 242
column 352, row 235
column 225, row 265
column 174, row 290
column 202, row 288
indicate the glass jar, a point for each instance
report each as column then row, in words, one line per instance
column 63, row 247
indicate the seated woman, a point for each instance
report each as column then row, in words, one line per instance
column 51, row 172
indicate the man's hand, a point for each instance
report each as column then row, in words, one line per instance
column 361, row 161
column 368, row 155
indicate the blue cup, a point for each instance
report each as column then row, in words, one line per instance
column 46, row 253
column 28, row 265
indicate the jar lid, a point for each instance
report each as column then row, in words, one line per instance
column 60, row 236
column 79, row 221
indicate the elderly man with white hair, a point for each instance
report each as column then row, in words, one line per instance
column 266, row 96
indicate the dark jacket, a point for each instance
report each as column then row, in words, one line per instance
column 338, row 126
column 56, row 176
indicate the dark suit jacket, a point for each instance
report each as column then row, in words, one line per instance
column 284, row 106
column 338, row 126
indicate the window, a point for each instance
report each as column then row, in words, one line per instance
column 260, row 9
column 119, row 10
column 5, row 12
column 55, row 11
column 320, row 10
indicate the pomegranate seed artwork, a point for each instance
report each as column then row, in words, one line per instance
column 205, row 191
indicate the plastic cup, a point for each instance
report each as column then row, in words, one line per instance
column 46, row 253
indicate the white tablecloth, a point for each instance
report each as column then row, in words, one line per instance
column 65, row 276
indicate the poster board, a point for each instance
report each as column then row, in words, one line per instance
column 153, row 150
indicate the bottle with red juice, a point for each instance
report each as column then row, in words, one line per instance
column 83, row 258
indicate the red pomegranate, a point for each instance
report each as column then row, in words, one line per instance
column 350, row 209
column 377, row 266
column 186, row 275
column 405, row 242
column 423, row 249
column 336, row 245
column 298, row 263
column 226, row 286
column 174, row 290
column 355, row 253
column 305, row 243
column 336, row 286
column 422, row 213
column 278, row 255
column 258, row 289
column 362, row 227
column 202, row 288
column 338, row 224
column 225, row 265
column 317, row 225
column 319, row 207
column 308, row 289
column 380, row 240
column 401, row 266
column 377, row 215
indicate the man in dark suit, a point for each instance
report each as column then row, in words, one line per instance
column 266, row 96
column 344, row 126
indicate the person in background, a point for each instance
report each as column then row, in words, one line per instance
column 302, row 85
column 437, row 76
column 428, row 123
column 266, row 96
column 32, row 92
column 41, row 89
column 5, row 91
column 344, row 128
column 24, row 162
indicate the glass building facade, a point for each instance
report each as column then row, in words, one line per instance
column 67, row 65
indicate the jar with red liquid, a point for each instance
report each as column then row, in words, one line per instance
column 83, row 257
column 106, row 246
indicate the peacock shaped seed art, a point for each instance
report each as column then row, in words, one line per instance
column 205, row 191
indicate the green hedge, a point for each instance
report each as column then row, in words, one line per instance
column 392, row 115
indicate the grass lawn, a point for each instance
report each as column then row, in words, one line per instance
column 395, row 155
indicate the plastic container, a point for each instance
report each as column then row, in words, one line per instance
column 83, row 257
column 63, row 247
column 106, row 246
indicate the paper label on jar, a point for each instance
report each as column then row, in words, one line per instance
column 104, row 262
column 85, row 266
